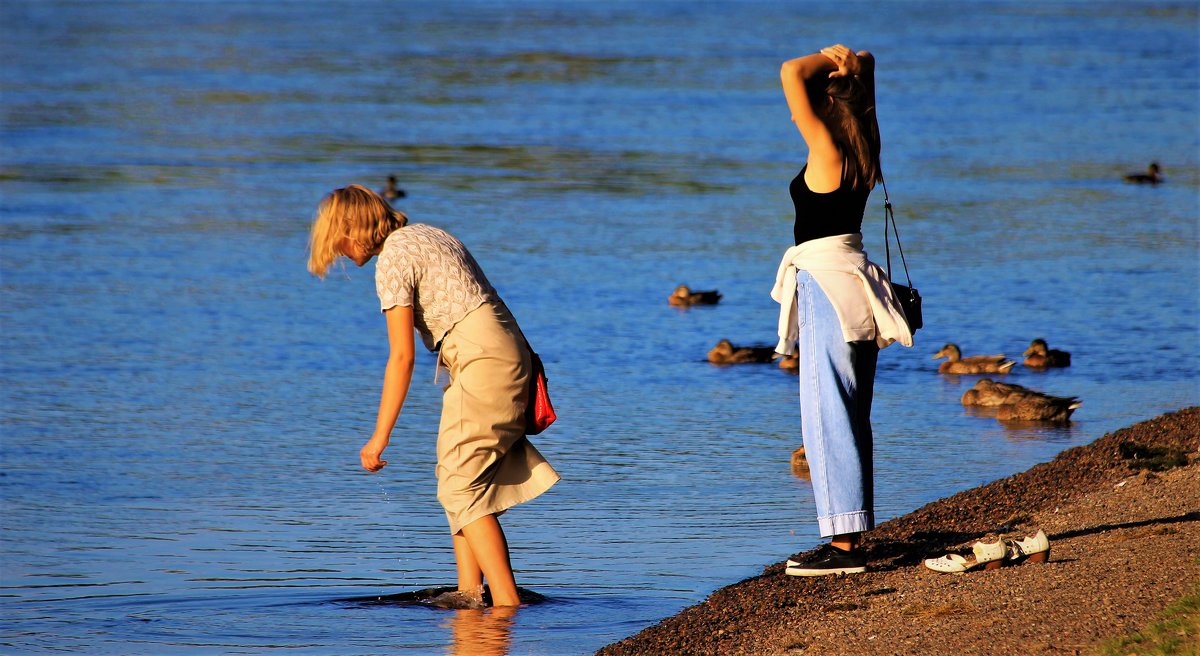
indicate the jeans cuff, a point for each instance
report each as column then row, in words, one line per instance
column 851, row 522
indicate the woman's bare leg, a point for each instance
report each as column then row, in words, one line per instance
column 489, row 552
column 470, row 577
column 846, row 541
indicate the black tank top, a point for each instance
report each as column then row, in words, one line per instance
column 838, row 212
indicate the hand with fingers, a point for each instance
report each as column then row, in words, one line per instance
column 369, row 455
column 845, row 58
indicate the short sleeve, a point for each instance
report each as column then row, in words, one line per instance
column 395, row 280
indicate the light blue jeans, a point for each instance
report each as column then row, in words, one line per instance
column 837, row 379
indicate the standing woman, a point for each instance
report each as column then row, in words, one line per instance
column 426, row 279
column 837, row 309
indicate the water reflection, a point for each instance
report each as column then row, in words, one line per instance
column 483, row 632
column 1022, row 431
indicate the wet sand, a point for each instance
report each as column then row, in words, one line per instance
column 1123, row 516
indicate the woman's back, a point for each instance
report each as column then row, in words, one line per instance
column 839, row 212
column 432, row 271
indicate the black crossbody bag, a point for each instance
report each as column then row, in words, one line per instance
column 910, row 299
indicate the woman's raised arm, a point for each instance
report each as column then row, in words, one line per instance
column 795, row 74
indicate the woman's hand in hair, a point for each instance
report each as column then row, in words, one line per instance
column 845, row 59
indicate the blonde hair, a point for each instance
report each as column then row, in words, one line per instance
column 353, row 212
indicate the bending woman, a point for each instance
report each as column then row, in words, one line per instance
column 837, row 309
column 427, row 280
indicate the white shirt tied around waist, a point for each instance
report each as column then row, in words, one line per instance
column 857, row 287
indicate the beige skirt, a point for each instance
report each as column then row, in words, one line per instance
column 485, row 463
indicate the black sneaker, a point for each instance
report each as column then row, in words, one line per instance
column 828, row 560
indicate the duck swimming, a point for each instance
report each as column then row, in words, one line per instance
column 975, row 364
column 726, row 353
column 988, row 392
column 1039, row 407
column 1040, row 356
column 1151, row 176
column 1014, row 402
column 391, row 191
column 685, row 297
column 800, row 464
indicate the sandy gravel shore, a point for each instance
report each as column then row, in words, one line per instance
column 1123, row 516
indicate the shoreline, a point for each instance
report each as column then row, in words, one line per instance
column 1123, row 547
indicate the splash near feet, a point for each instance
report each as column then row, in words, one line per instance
column 447, row 597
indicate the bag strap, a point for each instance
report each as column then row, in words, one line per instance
column 889, row 217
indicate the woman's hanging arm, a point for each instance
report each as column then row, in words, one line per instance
column 396, row 379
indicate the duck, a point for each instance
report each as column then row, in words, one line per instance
column 726, row 353
column 391, row 191
column 975, row 364
column 1151, row 176
column 790, row 363
column 1039, row 355
column 989, row 393
column 800, row 464
column 683, row 296
column 1039, row 407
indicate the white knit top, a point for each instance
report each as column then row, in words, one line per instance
column 430, row 270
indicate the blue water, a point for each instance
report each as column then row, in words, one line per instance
column 182, row 405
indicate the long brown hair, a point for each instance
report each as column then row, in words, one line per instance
column 354, row 212
column 844, row 105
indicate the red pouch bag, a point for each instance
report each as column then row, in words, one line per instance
column 539, row 413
